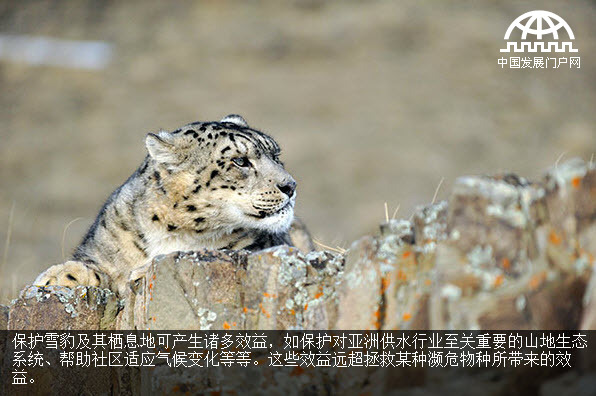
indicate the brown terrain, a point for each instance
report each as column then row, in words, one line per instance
column 372, row 102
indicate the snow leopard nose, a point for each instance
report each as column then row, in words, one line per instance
column 287, row 188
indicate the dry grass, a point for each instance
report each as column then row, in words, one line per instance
column 437, row 191
column 337, row 249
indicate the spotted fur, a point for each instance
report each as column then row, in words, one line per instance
column 217, row 185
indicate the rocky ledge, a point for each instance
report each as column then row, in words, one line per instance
column 501, row 253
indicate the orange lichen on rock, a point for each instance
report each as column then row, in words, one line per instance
column 377, row 319
column 401, row 275
column 506, row 264
column 226, row 326
column 498, row 280
column 407, row 316
column 576, row 181
column 554, row 238
column 384, row 284
column 264, row 311
column 537, row 280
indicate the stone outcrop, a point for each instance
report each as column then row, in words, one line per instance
column 518, row 255
column 501, row 253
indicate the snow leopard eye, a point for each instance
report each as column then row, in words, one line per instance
column 242, row 162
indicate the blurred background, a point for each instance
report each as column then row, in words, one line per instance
column 372, row 102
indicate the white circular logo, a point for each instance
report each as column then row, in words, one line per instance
column 547, row 23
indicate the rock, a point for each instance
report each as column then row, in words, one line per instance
column 406, row 291
column 570, row 236
column 390, row 276
column 492, row 219
column 430, row 225
column 403, row 230
column 360, row 290
column 177, row 287
column 406, row 280
column 277, row 288
column 588, row 321
column 57, row 307
column 284, row 289
column 501, row 253
column 571, row 199
column 512, row 259
column 274, row 290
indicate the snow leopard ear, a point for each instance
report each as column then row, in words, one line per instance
column 161, row 147
column 235, row 119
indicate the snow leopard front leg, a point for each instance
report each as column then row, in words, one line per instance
column 73, row 274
